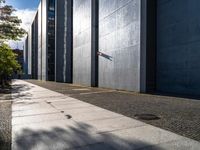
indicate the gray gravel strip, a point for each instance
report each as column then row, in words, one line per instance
column 5, row 125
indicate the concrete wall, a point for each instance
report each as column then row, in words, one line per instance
column 25, row 56
column 125, row 51
column 40, row 42
column 29, row 52
column 82, row 42
column 178, row 46
column 35, row 48
column 63, row 41
column 44, row 43
column 119, row 41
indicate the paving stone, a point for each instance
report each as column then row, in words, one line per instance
column 37, row 127
column 113, row 124
column 41, row 95
column 50, row 99
column 83, row 110
column 37, row 118
column 72, row 106
column 34, row 112
column 66, row 102
column 142, row 137
column 95, row 115
column 181, row 144
column 23, row 102
column 98, row 146
column 46, row 126
column 59, row 99
column 60, row 134
column 179, row 115
column 34, row 106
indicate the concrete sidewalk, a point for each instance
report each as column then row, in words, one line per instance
column 47, row 120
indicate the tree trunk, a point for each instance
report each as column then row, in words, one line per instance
column 3, row 82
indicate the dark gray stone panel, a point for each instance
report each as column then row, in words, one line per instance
column 178, row 44
column 95, row 44
column 64, row 41
column 25, row 56
column 34, row 48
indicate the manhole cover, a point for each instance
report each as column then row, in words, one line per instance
column 48, row 102
column 62, row 111
column 146, row 117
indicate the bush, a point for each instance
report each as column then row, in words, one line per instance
column 8, row 64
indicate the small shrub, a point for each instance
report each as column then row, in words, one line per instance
column 8, row 64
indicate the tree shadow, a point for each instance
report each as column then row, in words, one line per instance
column 74, row 137
column 5, row 93
column 25, row 96
column 6, row 90
column 21, row 91
column 15, row 92
column 16, row 88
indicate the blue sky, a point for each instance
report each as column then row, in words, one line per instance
column 23, row 4
column 26, row 10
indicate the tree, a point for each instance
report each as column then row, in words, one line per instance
column 9, row 30
column 9, row 24
column 8, row 63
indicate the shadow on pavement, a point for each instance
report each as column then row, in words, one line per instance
column 5, row 111
column 21, row 91
column 175, row 95
column 5, row 94
column 20, row 88
column 79, row 137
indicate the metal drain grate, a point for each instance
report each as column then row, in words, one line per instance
column 147, row 117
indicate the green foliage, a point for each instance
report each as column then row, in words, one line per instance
column 8, row 62
column 9, row 24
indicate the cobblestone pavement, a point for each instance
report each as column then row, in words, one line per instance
column 179, row 115
column 5, row 122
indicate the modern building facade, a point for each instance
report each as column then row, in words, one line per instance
column 25, row 55
column 134, row 45
column 20, row 59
